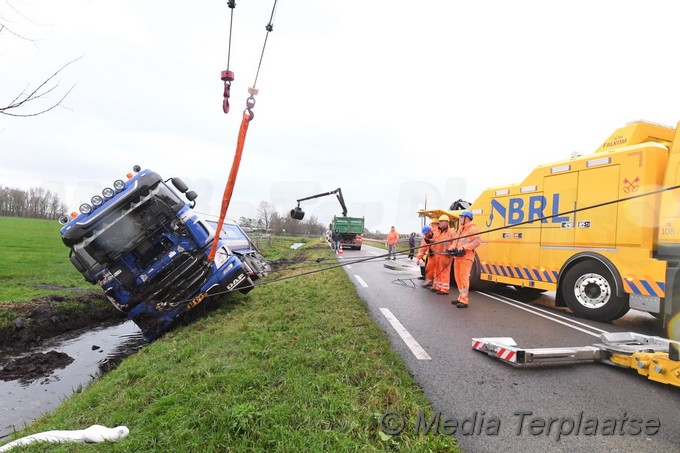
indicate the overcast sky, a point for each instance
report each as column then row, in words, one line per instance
column 393, row 101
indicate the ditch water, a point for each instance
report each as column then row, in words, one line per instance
column 86, row 354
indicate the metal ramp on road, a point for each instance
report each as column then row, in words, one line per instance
column 655, row 357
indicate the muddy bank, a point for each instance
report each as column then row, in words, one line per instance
column 37, row 381
column 27, row 324
column 34, row 366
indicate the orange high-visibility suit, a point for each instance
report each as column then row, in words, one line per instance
column 425, row 252
column 392, row 237
column 392, row 241
column 442, row 261
column 467, row 238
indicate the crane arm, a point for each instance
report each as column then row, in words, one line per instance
column 298, row 214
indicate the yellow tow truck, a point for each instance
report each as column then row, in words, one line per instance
column 601, row 230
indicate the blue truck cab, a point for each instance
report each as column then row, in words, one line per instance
column 148, row 250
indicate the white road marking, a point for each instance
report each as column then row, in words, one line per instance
column 551, row 318
column 372, row 253
column 559, row 316
column 361, row 281
column 348, row 266
column 412, row 344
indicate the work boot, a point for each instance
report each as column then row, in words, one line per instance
column 461, row 305
column 442, row 292
column 434, row 290
column 426, row 284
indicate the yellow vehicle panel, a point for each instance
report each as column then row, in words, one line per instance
column 587, row 207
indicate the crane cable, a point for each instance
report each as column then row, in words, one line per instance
column 487, row 231
column 228, row 76
column 248, row 116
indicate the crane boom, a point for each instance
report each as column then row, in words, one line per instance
column 298, row 214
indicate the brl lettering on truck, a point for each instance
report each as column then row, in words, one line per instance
column 601, row 230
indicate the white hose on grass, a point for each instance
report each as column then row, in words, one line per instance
column 93, row 434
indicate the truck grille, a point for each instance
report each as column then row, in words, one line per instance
column 179, row 282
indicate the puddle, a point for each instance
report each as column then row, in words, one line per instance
column 94, row 351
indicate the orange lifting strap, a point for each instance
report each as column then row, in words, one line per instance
column 229, row 188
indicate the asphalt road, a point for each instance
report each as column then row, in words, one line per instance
column 495, row 406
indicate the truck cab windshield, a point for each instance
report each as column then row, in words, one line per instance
column 139, row 223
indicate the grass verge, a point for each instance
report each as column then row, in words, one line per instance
column 296, row 365
column 34, row 262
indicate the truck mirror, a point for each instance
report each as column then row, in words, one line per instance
column 191, row 195
column 179, row 185
column 297, row 213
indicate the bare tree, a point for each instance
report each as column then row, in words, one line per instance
column 265, row 213
column 31, row 95
column 313, row 226
column 35, row 202
column 22, row 103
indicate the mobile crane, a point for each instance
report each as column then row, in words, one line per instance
column 350, row 228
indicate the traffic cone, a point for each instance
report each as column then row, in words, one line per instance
column 340, row 249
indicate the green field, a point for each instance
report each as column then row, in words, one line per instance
column 295, row 365
column 33, row 260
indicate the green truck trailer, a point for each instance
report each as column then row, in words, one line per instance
column 351, row 229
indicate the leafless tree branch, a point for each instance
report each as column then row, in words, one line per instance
column 41, row 90
column 42, row 111
column 27, row 19
column 4, row 27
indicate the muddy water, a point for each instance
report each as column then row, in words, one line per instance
column 94, row 351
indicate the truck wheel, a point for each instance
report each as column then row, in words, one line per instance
column 476, row 282
column 588, row 290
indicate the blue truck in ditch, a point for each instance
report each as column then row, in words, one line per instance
column 148, row 249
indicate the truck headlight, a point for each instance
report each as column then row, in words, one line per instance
column 97, row 201
column 119, row 184
column 85, row 208
column 221, row 256
column 107, row 193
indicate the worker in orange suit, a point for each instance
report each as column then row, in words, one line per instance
column 466, row 241
column 430, row 267
column 392, row 241
column 424, row 252
column 442, row 259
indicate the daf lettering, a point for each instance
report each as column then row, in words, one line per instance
column 236, row 281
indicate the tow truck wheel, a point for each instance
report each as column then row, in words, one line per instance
column 589, row 291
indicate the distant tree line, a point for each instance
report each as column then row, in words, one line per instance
column 35, row 203
column 268, row 220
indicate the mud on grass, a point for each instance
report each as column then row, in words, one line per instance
column 27, row 324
